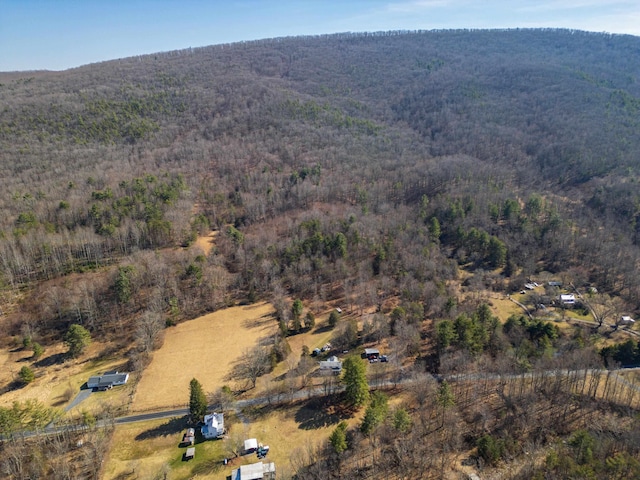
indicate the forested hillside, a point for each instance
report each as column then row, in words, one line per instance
column 392, row 170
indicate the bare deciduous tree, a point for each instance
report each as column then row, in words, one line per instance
column 252, row 364
column 148, row 329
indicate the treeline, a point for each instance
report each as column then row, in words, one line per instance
column 370, row 169
column 81, row 232
column 626, row 354
column 362, row 166
column 502, row 420
column 47, row 456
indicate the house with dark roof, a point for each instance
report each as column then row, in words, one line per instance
column 107, row 380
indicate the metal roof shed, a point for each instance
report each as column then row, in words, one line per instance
column 250, row 445
column 255, row 471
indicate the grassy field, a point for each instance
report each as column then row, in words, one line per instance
column 204, row 348
column 58, row 379
column 503, row 308
column 144, row 450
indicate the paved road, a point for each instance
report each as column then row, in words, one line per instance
column 277, row 399
column 143, row 417
column 322, row 391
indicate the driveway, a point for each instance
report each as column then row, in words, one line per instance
column 82, row 395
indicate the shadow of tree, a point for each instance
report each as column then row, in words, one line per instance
column 323, row 329
column 172, row 427
column 126, row 475
column 207, row 467
column 13, row 385
column 58, row 403
column 265, row 320
column 319, row 412
column 51, row 360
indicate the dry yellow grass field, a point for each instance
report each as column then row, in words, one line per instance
column 55, row 385
column 156, row 451
column 190, row 351
column 288, row 432
column 204, row 348
column 503, row 308
column 143, row 450
column 206, row 243
column 11, row 360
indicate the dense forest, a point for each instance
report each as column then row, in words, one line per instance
column 399, row 172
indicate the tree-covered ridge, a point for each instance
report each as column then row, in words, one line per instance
column 499, row 148
column 409, row 177
column 126, row 115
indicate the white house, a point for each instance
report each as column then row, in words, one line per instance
column 108, row 380
column 255, row 471
column 213, row 426
column 331, row 363
column 567, row 300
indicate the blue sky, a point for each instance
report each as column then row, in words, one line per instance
column 60, row 34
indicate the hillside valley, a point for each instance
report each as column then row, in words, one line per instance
column 464, row 201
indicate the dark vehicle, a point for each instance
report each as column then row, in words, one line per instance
column 262, row 451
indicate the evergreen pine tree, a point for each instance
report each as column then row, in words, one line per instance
column 197, row 400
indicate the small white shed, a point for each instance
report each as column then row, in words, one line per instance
column 250, row 445
column 567, row 300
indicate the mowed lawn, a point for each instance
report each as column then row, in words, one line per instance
column 150, row 449
column 204, row 348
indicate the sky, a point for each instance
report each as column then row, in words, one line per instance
column 61, row 34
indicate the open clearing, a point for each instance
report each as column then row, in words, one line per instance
column 143, row 450
column 204, row 348
column 58, row 380
column 206, row 242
